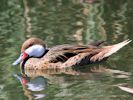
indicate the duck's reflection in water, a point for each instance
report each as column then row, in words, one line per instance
column 33, row 87
column 34, row 82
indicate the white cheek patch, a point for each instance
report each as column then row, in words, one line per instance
column 35, row 51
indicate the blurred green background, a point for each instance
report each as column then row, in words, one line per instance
column 67, row 21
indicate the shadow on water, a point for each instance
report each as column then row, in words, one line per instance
column 66, row 21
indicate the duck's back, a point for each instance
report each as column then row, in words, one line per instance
column 62, row 53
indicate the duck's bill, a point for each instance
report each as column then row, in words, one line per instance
column 18, row 60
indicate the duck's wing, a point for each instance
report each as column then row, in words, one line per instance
column 61, row 53
column 97, row 43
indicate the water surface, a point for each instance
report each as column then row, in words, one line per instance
column 66, row 21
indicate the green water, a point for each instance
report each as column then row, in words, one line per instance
column 66, row 21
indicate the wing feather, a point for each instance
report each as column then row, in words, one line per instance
column 63, row 52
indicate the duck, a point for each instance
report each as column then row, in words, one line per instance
column 35, row 55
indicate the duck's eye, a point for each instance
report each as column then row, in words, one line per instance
column 30, row 45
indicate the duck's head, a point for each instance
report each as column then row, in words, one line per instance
column 33, row 47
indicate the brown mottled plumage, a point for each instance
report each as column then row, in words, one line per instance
column 62, row 56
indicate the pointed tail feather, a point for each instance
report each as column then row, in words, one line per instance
column 109, row 50
column 114, row 48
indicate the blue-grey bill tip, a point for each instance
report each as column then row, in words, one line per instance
column 17, row 61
